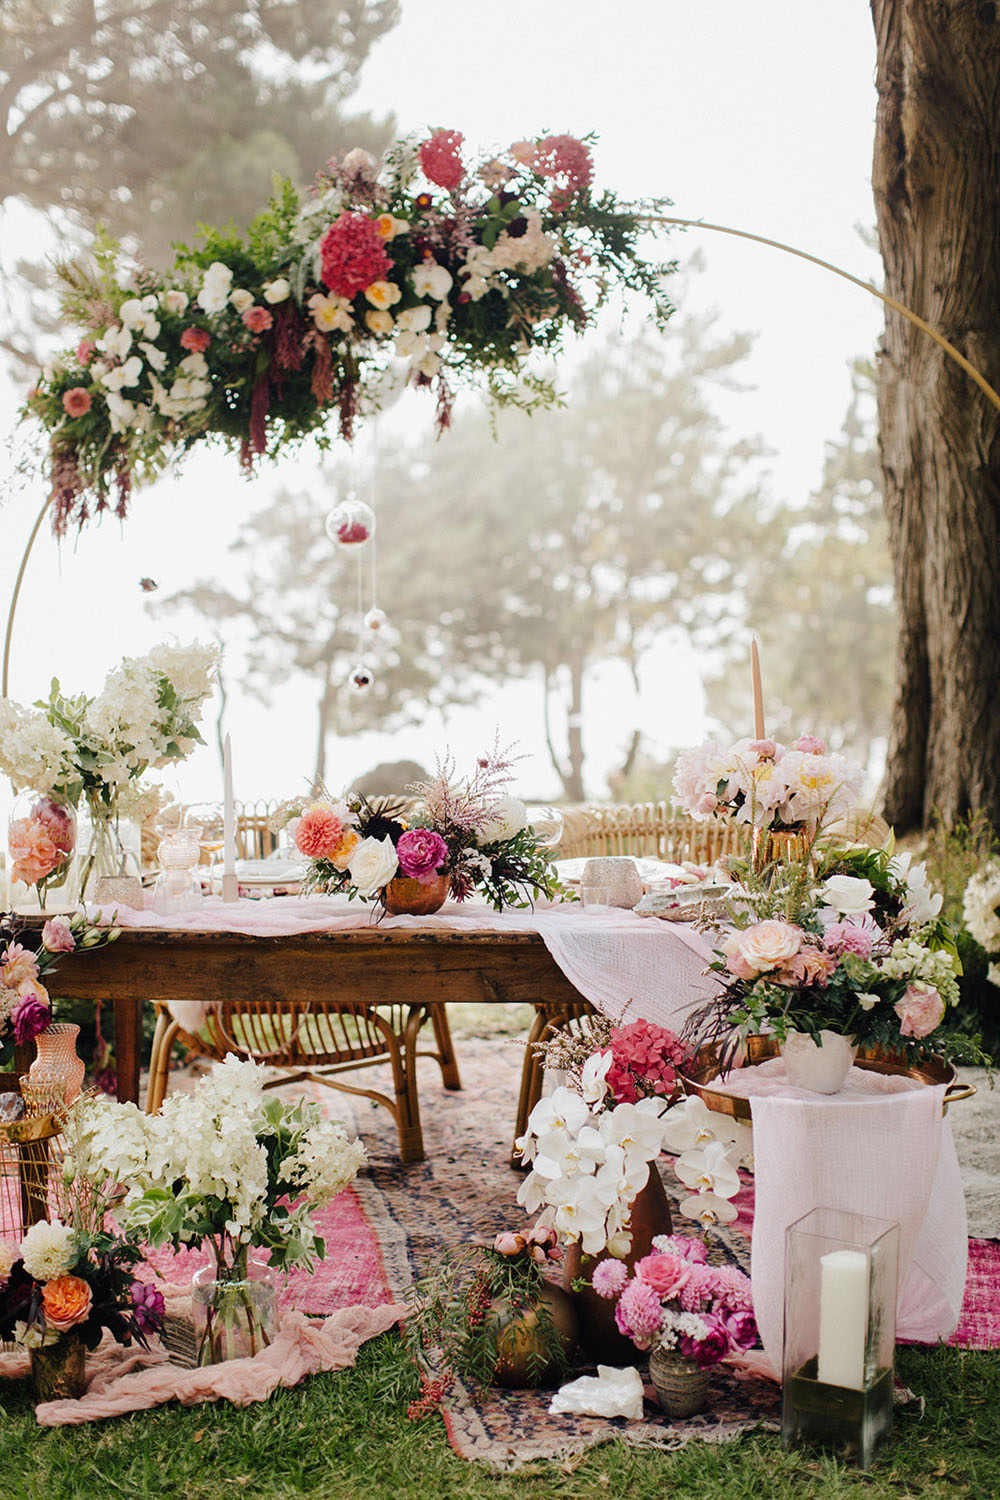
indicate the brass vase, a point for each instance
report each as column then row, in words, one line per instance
column 534, row 1347
column 58, row 1371
column 407, row 897
column 599, row 1333
column 775, row 846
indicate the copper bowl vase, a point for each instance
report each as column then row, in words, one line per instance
column 411, row 898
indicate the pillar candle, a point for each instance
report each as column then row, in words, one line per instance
column 843, row 1318
column 758, row 695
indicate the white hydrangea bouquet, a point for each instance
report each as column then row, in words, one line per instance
column 981, row 914
column 98, row 749
column 224, row 1166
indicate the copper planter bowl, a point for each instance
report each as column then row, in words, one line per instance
column 406, row 897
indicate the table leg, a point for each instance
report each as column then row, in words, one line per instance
column 128, row 1039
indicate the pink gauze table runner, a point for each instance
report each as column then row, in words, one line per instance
column 879, row 1147
column 615, row 959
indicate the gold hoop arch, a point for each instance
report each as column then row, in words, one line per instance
column 959, row 358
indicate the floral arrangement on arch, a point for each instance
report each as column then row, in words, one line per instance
column 223, row 1166
column 675, row 1300
column 25, row 1003
column 981, row 914
column 471, row 830
column 767, row 785
column 96, row 750
column 457, row 269
column 590, row 1143
column 854, row 945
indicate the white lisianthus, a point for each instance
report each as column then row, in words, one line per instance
column 215, row 287
column 241, row 299
column 49, row 1249
column 173, row 300
column 509, row 816
column 373, row 864
column 278, row 290
column 847, row 894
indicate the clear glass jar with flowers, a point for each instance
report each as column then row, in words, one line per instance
column 233, row 1170
column 41, row 842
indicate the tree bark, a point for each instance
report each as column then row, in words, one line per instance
column 936, row 180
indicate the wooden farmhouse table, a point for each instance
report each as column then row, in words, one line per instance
column 409, row 974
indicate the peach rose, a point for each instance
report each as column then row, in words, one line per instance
column 919, row 1011
column 769, row 944
column 66, row 1301
column 342, row 855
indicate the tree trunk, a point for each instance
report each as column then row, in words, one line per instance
column 936, row 180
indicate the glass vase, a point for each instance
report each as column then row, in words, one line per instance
column 235, row 1311
column 56, row 1074
column 59, row 1370
column 103, row 854
column 41, row 843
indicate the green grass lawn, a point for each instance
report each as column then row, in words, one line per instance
column 347, row 1437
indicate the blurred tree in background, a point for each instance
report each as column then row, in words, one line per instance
column 154, row 117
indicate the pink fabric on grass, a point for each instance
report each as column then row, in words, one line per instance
column 615, row 959
column 121, row 1380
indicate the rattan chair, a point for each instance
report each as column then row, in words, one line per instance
column 653, row 829
column 318, row 1043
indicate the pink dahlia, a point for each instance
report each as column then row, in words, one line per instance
column 76, row 401
column 257, row 319
column 638, row 1313
column 441, row 160
column 318, row 833
column 609, row 1277
column 196, row 340
column 353, row 255
column 421, row 852
column 849, row 937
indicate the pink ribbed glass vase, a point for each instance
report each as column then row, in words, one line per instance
column 56, row 1069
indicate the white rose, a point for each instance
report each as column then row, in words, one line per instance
column 173, row 300
column 241, row 299
column 847, row 894
column 373, row 864
column 215, row 287
column 277, row 290
column 509, row 816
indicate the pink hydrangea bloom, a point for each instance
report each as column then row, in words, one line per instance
column 441, row 160
column 646, row 1060
column 609, row 1277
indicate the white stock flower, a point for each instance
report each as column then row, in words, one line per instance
column 215, row 287
column 373, row 864
column 49, row 1249
column 325, row 1161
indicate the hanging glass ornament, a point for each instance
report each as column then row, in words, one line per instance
column 374, row 620
column 351, row 523
column 361, row 679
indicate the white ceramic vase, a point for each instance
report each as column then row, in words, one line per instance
column 821, row 1069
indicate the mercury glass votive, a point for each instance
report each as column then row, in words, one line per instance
column 839, row 1332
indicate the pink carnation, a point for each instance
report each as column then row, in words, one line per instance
column 257, row 319
column 849, row 937
column 353, row 255
column 421, row 852
column 609, row 1277
column 318, row 833
column 920, row 1010
column 196, row 340
column 441, row 160
column 76, row 401
column 638, row 1313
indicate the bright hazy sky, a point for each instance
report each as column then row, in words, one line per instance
column 751, row 113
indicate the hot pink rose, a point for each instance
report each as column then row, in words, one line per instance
column 257, row 319
column 920, row 1010
column 421, row 852
column 318, row 833
column 76, row 401
column 32, row 1013
column 57, row 936
column 769, row 944
column 196, row 340
column 666, row 1274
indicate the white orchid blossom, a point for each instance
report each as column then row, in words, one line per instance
column 709, row 1169
column 594, row 1077
column 708, row 1209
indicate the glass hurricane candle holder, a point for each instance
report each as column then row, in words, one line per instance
column 840, row 1331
